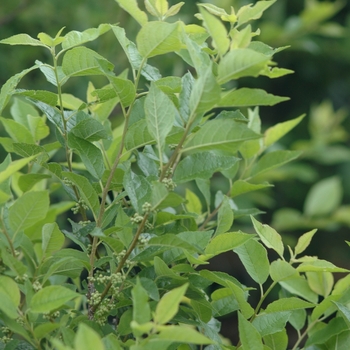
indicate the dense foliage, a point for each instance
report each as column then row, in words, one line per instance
column 146, row 216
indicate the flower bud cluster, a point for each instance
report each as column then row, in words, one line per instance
column 51, row 315
column 146, row 207
column 21, row 279
column 37, row 286
column 103, row 311
column 80, row 204
column 169, row 184
column 67, row 182
column 6, row 335
column 136, row 218
column 84, row 223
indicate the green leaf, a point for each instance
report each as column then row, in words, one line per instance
column 240, row 187
column 141, row 309
column 23, row 214
column 271, row 323
column 304, row 241
column 217, row 31
column 17, row 131
column 40, row 95
column 277, row 341
column 90, row 130
column 241, row 63
column 254, row 258
column 9, row 87
column 288, row 304
column 249, row 12
column 22, row 39
column 225, row 217
column 183, row 334
column 299, row 286
column 14, row 167
column 248, row 334
column 193, row 203
column 138, row 189
column 124, row 89
column 75, row 38
column 324, row 197
column 138, row 135
column 319, row 266
column 226, row 242
column 10, row 296
column 132, row 8
column 168, row 305
column 28, row 149
column 52, row 239
column 160, row 115
column 81, row 61
column 87, row 339
column 86, row 190
column 222, row 134
column 281, row 270
column 277, row 131
column 158, row 38
column 269, row 237
column 205, row 93
column 246, row 97
column 89, row 154
column 51, row 298
column 273, row 160
column 159, row 194
column 344, row 311
column 320, row 282
column 202, row 166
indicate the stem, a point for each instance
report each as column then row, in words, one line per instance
column 262, row 300
column 123, row 260
column 8, row 240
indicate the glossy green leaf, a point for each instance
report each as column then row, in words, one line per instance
column 23, row 214
column 75, row 38
column 52, row 239
column 319, row 266
column 249, row 335
column 9, row 87
column 304, row 241
column 269, row 237
column 202, row 166
column 90, row 154
column 158, row 38
column 281, row 270
column 324, row 197
column 22, row 39
column 254, row 258
column 247, row 97
column 50, row 298
column 168, row 305
column 241, row 186
column 241, row 63
column 220, row 134
column 250, row 12
column 132, row 8
column 87, row 339
column 288, row 304
column 225, row 242
column 183, row 334
column 160, row 115
column 345, row 312
column 138, row 189
column 86, row 190
column 40, row 95
column 225, row 217
column 205, row 93
column 276, row 132
column 217, row 31
column 124, row 89
column 81, row 61
column 10, row 295
column 141, row 309
column 273, row 160
column 193, row 203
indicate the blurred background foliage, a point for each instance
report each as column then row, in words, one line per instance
column 313, row 191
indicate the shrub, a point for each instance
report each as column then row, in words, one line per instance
column 130, row 271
